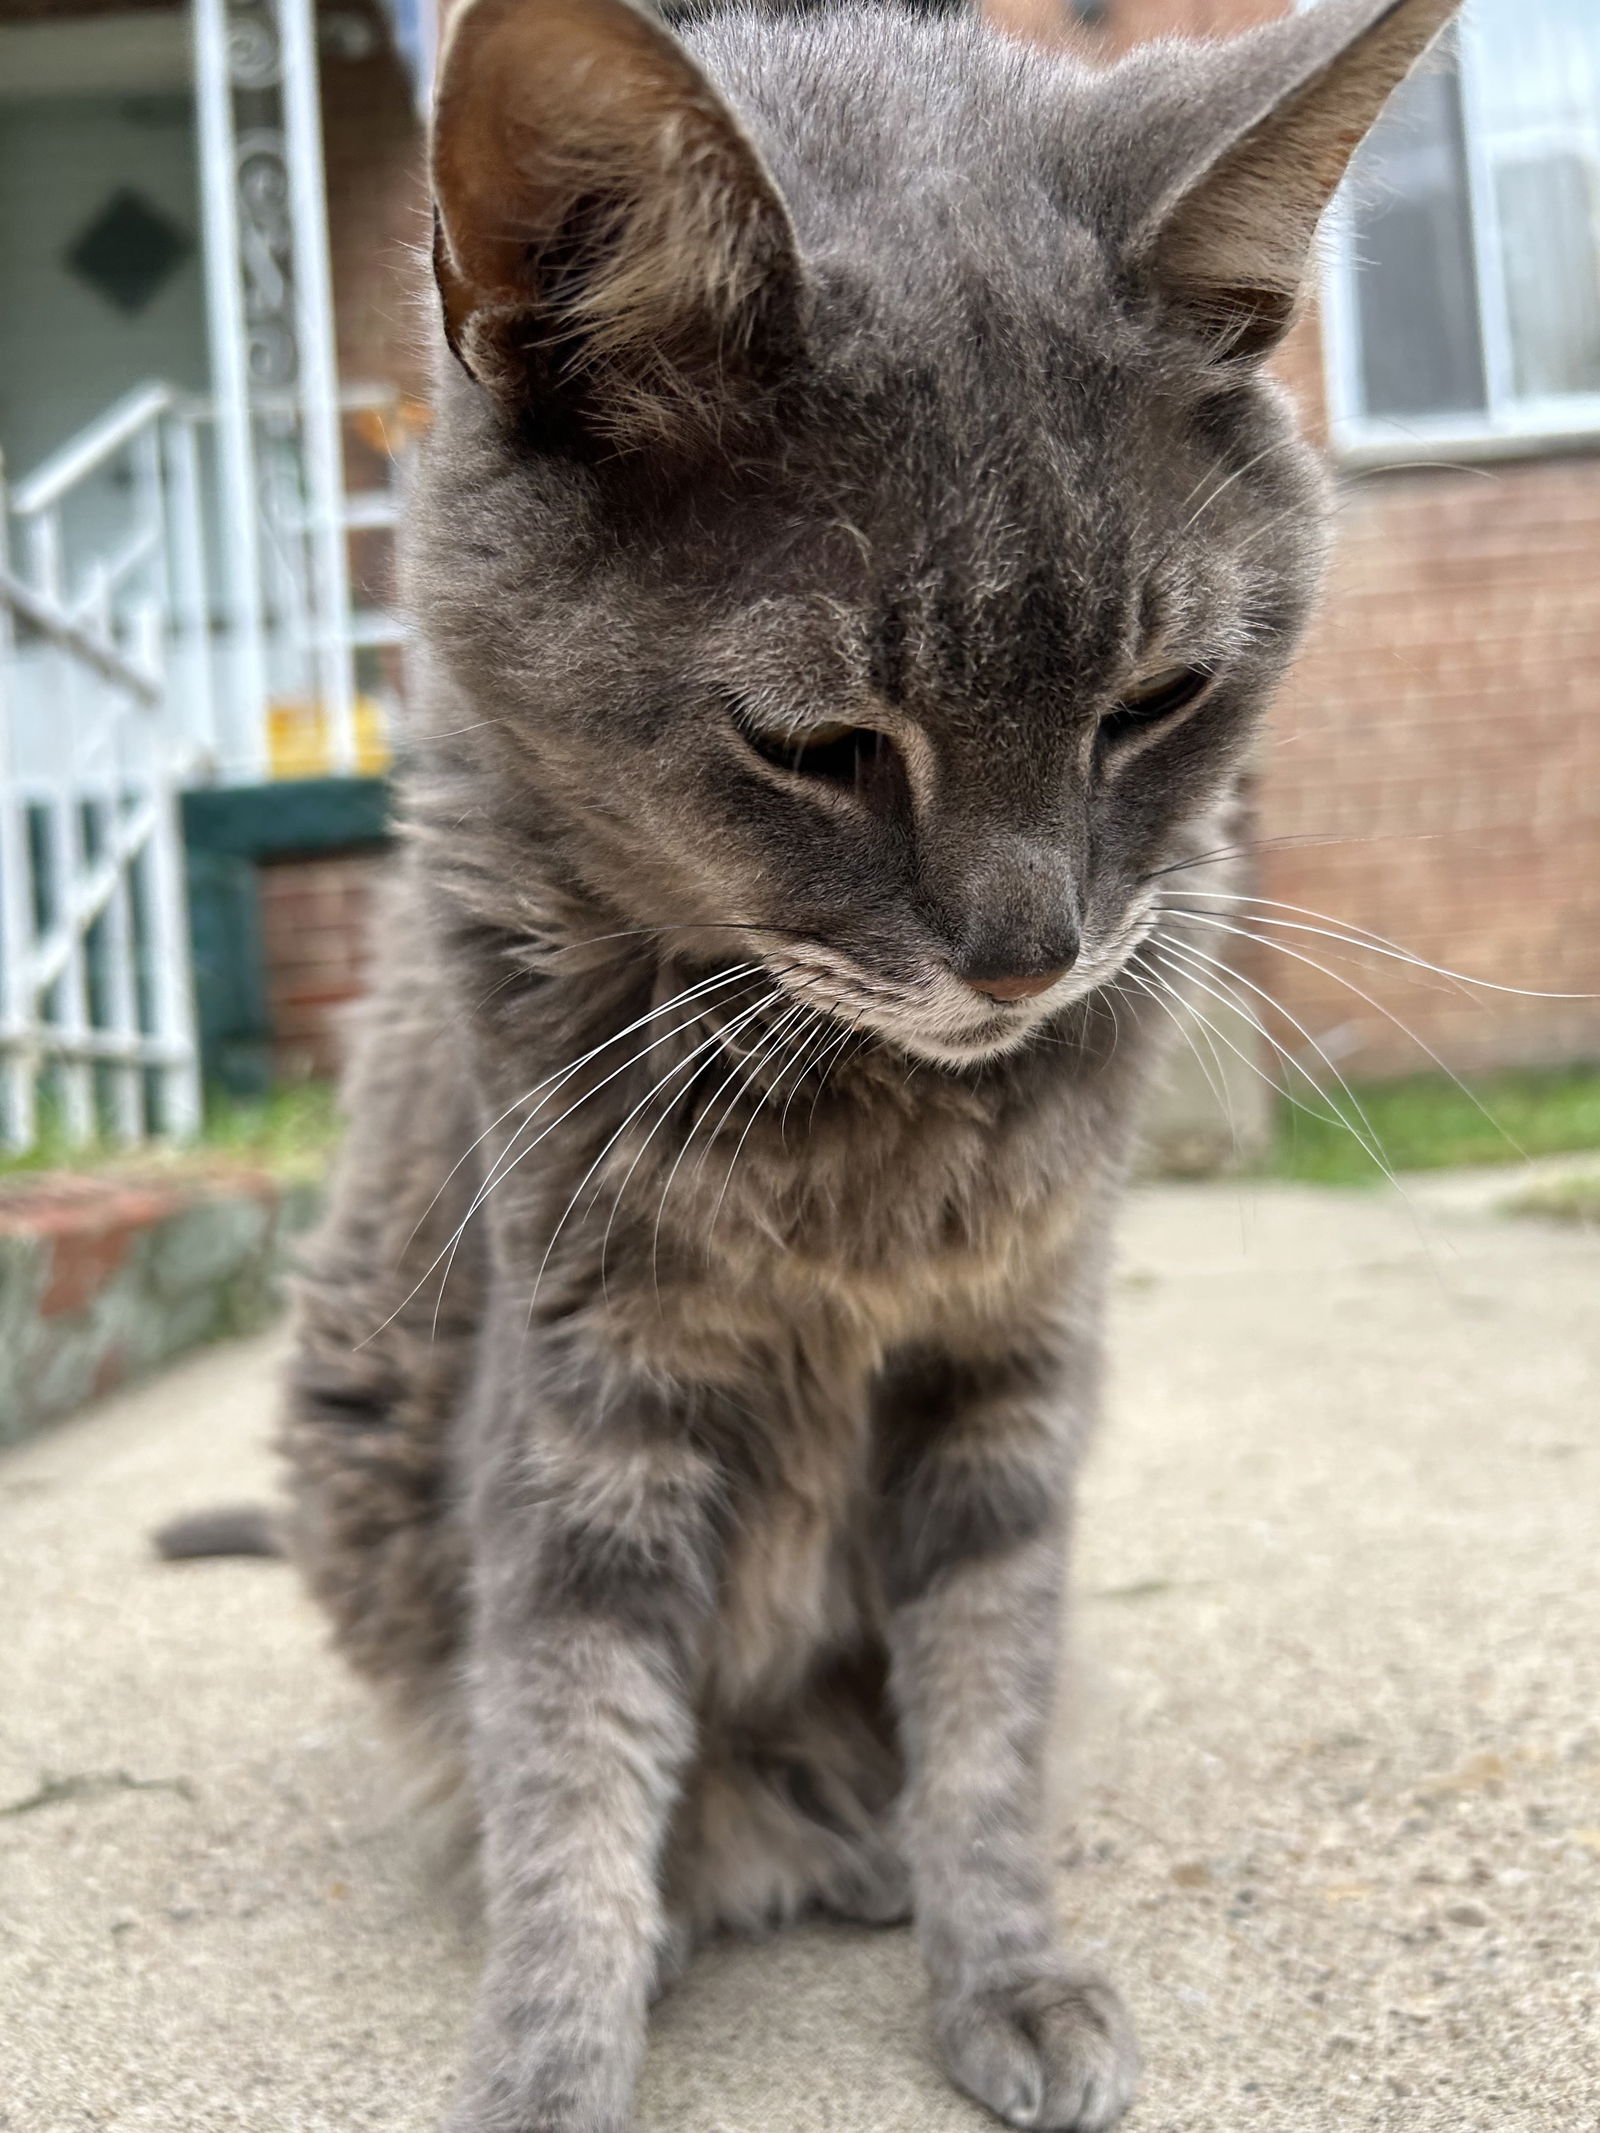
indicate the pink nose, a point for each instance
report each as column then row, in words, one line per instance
column 1027, row 988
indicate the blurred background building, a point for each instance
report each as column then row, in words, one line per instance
column 208, row 383
column 210, row 377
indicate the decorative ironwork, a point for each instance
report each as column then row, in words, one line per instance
column 255, row 46
column 266, row 252
column 279, row 458
column 100, row 718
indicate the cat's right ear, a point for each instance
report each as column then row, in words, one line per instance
column 1231, row 246
column 609, row 246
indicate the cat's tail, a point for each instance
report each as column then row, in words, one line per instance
column 235, row 1529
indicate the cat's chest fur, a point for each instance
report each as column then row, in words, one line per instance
column 779, row 1253
column 902, row 1206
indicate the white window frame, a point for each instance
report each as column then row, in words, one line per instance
column 1510, row 424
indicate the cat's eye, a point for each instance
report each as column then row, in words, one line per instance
column 1159, row 697
column 832, row 750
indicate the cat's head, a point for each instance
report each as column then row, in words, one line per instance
column 860, row 535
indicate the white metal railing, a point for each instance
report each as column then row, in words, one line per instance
column 123, row 678
column 130, row 510
column 110, row 530
column 176, row 607
column 96, row 1011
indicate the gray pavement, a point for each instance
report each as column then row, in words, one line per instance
column 1331, row 1810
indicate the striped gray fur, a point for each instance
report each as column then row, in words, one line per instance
column 851, row 424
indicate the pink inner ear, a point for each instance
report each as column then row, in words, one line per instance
column 595, row 195
column 1235, row 246
column 529, row 114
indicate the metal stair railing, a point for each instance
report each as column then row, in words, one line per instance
column 123, row 680
column 104, row 706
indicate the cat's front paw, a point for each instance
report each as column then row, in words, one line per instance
column 530, row 2113
column 1055, row 2053
column 529, row 2118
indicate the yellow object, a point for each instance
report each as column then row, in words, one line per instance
column 300, row 740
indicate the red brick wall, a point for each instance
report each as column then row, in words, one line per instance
column 314, row 940
column 1443, row 728
column 378, row 218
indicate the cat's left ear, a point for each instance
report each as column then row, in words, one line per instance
column 1232, row 246
column 609, row 247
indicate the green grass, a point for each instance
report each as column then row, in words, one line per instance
column 291, row 1132
column 1429, row 1124
column 1422, row 1124
column 292, row 1129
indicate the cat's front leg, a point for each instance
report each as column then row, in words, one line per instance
column 977, row 1478
column 595, row 1560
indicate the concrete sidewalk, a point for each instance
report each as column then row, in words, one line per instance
column 1334, row 1806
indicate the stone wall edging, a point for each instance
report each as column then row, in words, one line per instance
column 103, row 1279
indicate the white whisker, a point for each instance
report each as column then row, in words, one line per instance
column 1307, row 840
column 501, row 1167
column 1216, row 1082
column 816, row 1044
column 801, row 1035
column 1357, row 991
column 1330, row 1117
column 766, row 1049
column 1352, row 935
column 831, row 1061
column 1379, row 944
column 661, row 1206
column 1231, row 979
column 1222, row 489
column 511, row 1157
column 643, row 1146
column 717, row 1038
column 564, row 1074
column 679, row 999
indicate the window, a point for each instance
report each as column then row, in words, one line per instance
column 1463, row 305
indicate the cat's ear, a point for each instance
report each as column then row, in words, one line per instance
column 607, row 239
column 1232, row 246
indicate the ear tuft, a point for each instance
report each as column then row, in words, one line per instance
column 1232, row 247
column 607, row 239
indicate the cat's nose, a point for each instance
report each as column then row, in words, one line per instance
column 1021, row 984
column 1017, row 927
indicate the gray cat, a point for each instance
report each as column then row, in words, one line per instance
column 855, row 550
